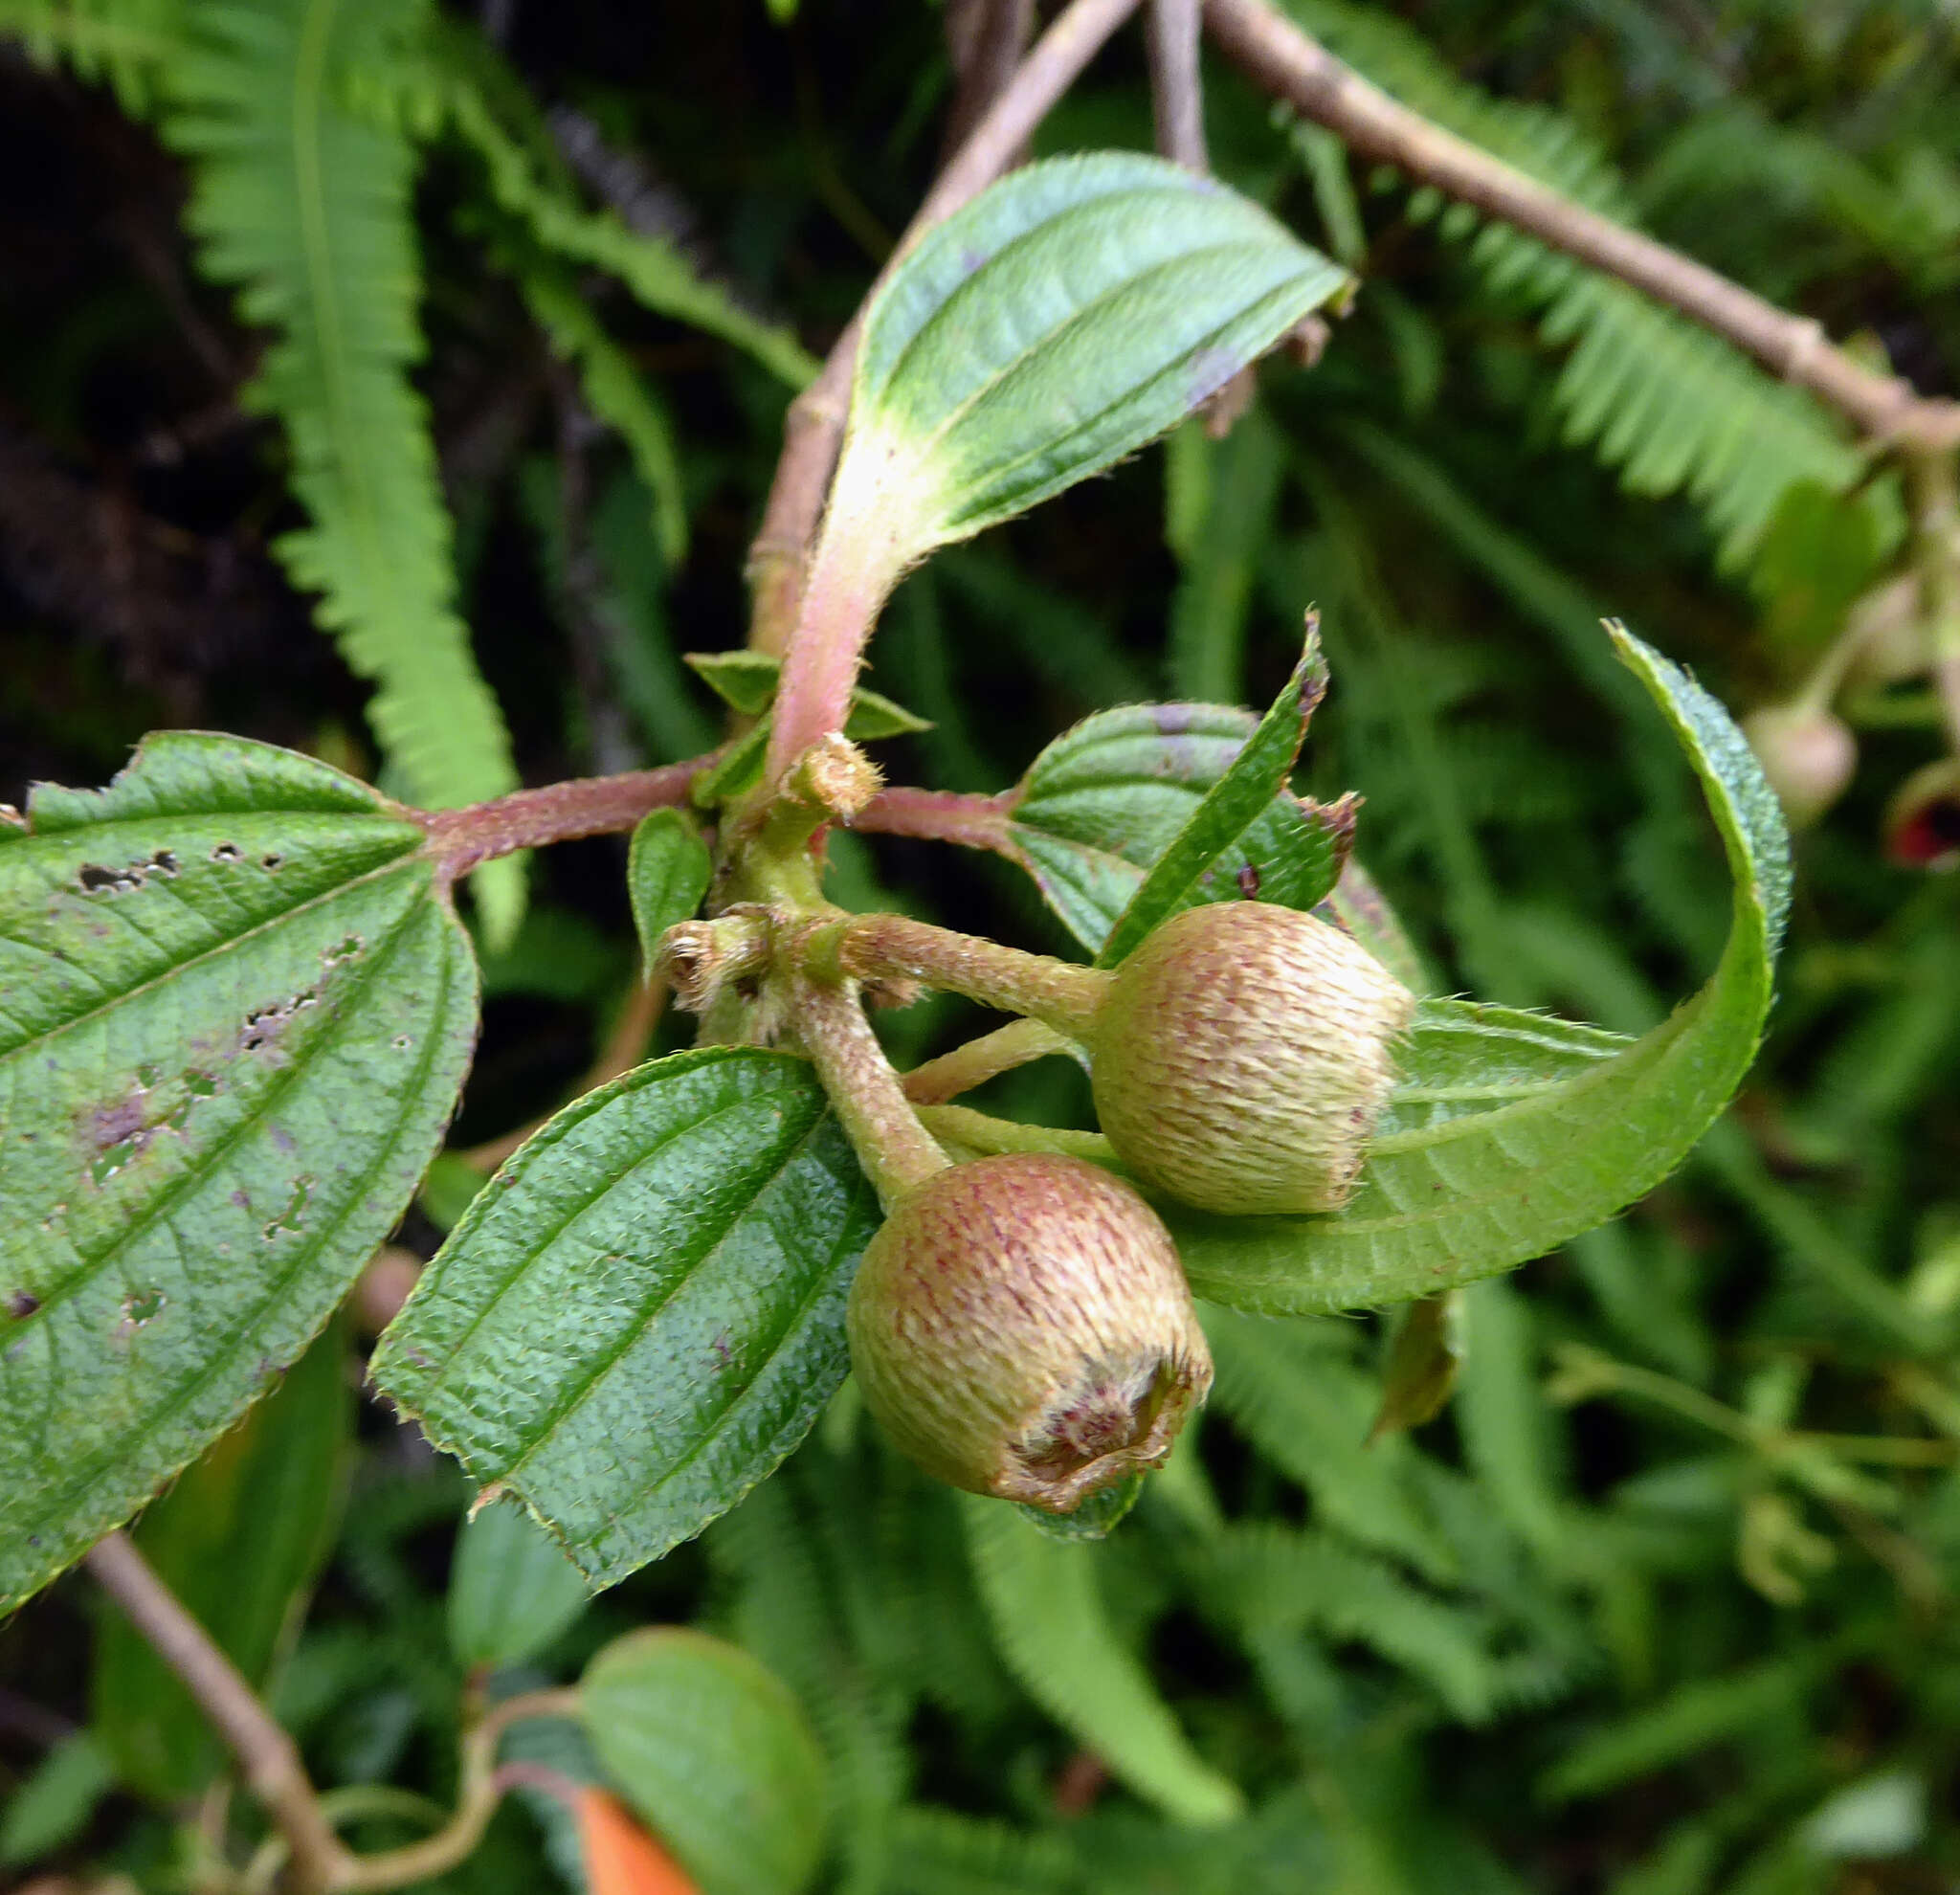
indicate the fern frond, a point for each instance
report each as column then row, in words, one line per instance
column 786, row 1612
column 458, row 83
column 1266, row 1577
column 936, row 1852
column 1687, row 1721
column 615, row 392
column 305, row 208
column 1049, row 1622
column 1284, row 1386
column 1658, row 398
column 124, row 44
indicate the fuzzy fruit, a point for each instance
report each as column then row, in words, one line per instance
column 1808, row 756
column 1021, row 1328
column 1241, row 1058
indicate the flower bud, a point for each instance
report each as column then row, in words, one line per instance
column 1922, row 821
column 1241, row 1058
column 1021, row 1326
column 1808, row 755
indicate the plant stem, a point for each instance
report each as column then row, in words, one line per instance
column 559, row 812
column 985, row 39
column 1280, row 59
column 943, row 815
column 815, row 423
column 895, row 1149
column 982, row 1131
column 1177, row 104
column 893, row 947
column 268, row 1755
column 483, row 1786
column 981, row 1059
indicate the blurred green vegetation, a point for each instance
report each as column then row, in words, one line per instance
column 1664, row 1602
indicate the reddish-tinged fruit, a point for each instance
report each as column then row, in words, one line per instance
column 1808, row 755
column 1021, row 1328
column 1242, row 1057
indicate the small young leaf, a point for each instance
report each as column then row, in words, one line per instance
column 644, row 1312
column 55, row 1803
column 713, row 1751
column 237, row 1015
column 668, row 870
column 1422, row 1364
column 747, row 683
column 1227, row 849
column 1102, row 803
column 241, row 1539
column 1098, row 1516
column 511, row 1592
column 1068, row 315
column 1470, row 1193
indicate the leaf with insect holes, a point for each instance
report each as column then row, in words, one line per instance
column 1071, row 313
column 668, row 869
column 1507, row 1135
column 1103, row 802
column 643, row 1312
column 236, row 1017
column 1248, row 837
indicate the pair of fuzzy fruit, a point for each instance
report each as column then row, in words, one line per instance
column 1021, row 1324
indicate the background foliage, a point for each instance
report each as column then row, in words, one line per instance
column 1663, row 1602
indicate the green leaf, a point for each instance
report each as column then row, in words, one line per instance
column 1422, row 1364
column 1049, row 1620
column 53, row 1806
column 712, row 1749
column 1096, row 1519
column 1248, row 832
column 642, row 1313
column 260, row 107
column 668, row 869
column 239, row 1538
column 511, row 1591
column 747, row 683
column 237, row 1019
column 1067, row 316
column 1484, row 1166
column 1104, row 800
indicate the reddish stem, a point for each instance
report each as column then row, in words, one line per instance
column 943, row 815
column 559, row 812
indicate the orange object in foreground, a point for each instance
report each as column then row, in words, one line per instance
column 621, row 1858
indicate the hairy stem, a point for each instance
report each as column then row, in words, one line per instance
column 815, row 423
column 895, row 948
column 1280, row 59
column 978, row 1060
column 268, row 1756
column 895, row 1149
column 943, row 815
column 559, row 812
column 981, row 1131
